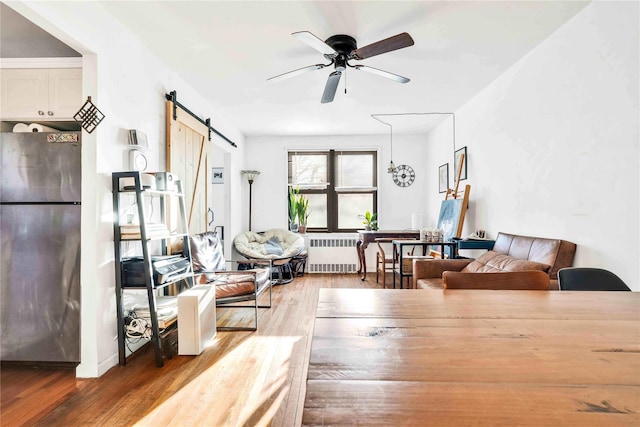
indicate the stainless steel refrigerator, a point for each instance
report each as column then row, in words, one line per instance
column 40, row 242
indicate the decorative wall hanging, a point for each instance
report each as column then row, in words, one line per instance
column 404, row 176
column 89, row 116
column 217, row 175
column 460, row 168
column 443, row 178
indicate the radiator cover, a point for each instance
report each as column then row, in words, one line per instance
column 332, row 254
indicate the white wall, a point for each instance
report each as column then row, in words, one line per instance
column 128, row 85
column 395, row 204
column 553, row 143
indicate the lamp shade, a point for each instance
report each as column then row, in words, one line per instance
column 250, row 174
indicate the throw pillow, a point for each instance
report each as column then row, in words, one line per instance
column 273, row 246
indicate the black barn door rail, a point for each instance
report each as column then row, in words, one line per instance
column 173, row 97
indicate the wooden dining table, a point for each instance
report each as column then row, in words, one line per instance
column 419, row 357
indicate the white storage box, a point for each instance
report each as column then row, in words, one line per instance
column 196, row 319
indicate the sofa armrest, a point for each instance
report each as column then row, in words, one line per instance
column 517, row 280
column 433, row 268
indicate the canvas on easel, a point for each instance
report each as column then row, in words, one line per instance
column 454, row 207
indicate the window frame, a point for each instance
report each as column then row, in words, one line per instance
column 332, row 156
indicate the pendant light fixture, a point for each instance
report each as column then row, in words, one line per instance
column 392, row 167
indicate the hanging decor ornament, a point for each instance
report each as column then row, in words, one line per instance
column 89, row 116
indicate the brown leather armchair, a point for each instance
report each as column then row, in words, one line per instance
column 234, row 288
column 511, row 254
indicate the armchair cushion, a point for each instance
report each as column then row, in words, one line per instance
column 235, row 284
column 205, row 254
column 273, row 247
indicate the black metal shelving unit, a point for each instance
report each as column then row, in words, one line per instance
column 146, row 238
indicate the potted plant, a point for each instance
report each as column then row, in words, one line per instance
column 302, row 211
column 369, row 220
column 293, row 208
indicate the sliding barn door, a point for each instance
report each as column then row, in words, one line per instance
column 187, row 150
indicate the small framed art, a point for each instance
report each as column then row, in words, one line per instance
column 217, row 175
column 443, row 178
column 460, row 154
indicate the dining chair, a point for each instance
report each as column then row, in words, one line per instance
column 384, row 262
column 589, row 279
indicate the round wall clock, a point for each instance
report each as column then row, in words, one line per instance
column 404, row 176
column 137, row 160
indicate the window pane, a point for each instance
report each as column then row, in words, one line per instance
column 352, row 205
column 308, row 168
column 355, row 170
column 317, row 210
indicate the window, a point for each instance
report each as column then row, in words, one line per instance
column 340, row 185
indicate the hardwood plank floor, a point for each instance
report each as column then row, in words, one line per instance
column 242, row 379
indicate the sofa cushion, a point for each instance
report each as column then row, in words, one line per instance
column 493, row 262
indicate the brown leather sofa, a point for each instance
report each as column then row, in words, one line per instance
column 511, row 254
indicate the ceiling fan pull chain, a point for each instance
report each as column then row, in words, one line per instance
column 345, row 81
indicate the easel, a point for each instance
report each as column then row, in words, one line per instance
column 455, row 194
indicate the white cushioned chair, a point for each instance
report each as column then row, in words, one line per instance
column 277, row 244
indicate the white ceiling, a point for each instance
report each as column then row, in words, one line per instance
column 227, row 50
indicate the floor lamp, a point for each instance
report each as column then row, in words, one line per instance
column 251, row 176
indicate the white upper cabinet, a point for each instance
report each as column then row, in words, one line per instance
column 40, row 94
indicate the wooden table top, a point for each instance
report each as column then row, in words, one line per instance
column 474, row 357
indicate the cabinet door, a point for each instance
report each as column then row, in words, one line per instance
column 65, row 92
column 24, row 93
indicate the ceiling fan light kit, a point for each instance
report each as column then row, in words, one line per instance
column 340, row 49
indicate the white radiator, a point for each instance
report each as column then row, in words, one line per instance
column 332, row 254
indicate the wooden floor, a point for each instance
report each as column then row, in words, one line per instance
column 243, row 379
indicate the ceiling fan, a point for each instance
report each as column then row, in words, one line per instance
column 340, row 49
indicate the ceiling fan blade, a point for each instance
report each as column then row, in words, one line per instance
column 294, row 73
column 396, row 42
column 313, row 41
column 331, row 87
column 382, row 73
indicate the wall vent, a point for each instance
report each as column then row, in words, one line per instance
column 332, row 268
column 331, row 242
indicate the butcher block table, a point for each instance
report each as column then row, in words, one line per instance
column 420, row 357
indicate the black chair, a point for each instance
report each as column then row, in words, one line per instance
column 589, row 279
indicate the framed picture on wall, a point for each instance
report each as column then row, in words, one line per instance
column 217, row 175
column 443, row 178
column 460, row 154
